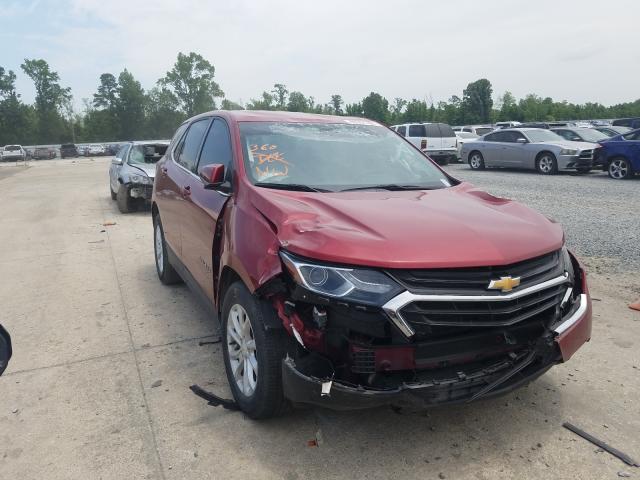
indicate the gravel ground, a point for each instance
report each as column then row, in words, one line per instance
column 601, row 216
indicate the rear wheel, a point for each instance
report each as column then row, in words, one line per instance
column 620, row 168
column 252, row 354
column 476, row 161
column 114, row 195
column 166, row 273
column 546, row 163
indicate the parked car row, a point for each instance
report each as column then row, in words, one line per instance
column 557, row 149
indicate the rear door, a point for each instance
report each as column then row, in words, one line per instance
column 447, row 137
column 204, row 208
column 514, row 153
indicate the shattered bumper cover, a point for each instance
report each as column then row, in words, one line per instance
column 303, row 387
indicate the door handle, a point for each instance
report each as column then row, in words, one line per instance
column 186, row 191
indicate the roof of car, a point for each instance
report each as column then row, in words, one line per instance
column 277, row 116
column 150, row 142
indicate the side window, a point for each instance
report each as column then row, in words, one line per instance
column 446, row 131
column 632, row 136
column 515, row 136
column 417, row 131
column 498, row 137
column 467, row 129
column 217, row 146
column 492, row 137
column 191, row 144
column 402, row 131
column 433, row 131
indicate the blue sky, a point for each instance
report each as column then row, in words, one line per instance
column 574, row 50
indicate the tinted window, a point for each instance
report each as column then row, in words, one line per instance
column 217, row 146
column 402, row 131
column 635, row 135
column 122, row 152
column 417, row 131
column 191, row 145
column 432, row 130
column 467, row 129
column 446, row 130
column 483, row 130
column 498, row 137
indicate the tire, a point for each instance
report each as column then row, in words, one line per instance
column 584, row 170
column 445, row 161
column 546, row 163
column 166, row 273
column 124, row 201
column 114, row 195
column 476, row 160
column 258, row 392
column 620, row 168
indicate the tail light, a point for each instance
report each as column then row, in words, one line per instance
column 423, row 145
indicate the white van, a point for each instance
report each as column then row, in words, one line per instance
column 438, row 140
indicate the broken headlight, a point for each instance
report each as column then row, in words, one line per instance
column 349, row 284
column 143, row 179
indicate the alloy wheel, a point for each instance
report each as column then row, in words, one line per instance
column 546, row 164
column 618, row 169
column 241, row 348
column 475, row 161
column 159, row 248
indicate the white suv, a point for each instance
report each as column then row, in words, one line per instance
column 438, row 140
column 13, row 152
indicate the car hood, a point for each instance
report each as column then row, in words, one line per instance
column 148, row 168
column 447, row 228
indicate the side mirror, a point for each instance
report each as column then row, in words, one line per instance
column 116, row 161
column 522, row 140
column 5, row 349
column 213, row 175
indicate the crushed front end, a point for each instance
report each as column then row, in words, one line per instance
column 365, row 338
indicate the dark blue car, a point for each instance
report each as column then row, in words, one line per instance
column 620, row 155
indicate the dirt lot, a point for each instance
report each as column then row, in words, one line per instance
column 104, row 355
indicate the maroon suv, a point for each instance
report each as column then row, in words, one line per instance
column 349, row 271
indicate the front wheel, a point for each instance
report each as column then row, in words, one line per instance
column 476, row 161
column 252, row 354
column 123, row 198
column 620, row 169
column 547, row 164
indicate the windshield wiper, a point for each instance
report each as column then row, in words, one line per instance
column 389, row 186
column 290, row 186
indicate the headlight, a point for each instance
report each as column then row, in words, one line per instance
column 568, row 151
column 140, row 179
column 350, row 284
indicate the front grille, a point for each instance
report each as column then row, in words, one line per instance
column 424, row 315
column 474, row 281
column 586, row 155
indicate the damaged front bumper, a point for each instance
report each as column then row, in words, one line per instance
column 310, row 383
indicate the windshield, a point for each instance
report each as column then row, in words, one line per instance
column 591, row 135
column 334, row 157
column 12, row 148
column 541, row 135
column 483, row 130
column 146, row 153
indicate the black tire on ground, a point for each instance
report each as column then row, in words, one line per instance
column 476, row 160
column 546, row 163
column 584, row 170
column 114, row 195
column 166, row 273
column 444, row 161
column 266, row 399
column 620, row 168
column 124, row 201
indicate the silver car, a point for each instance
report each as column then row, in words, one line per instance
column 530, row 148
column 132, row 172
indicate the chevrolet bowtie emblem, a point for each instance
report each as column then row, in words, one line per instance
column 506, row 284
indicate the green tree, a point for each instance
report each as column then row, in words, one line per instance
column 353, row 109
column 107, row 94
column 336, row 103
column 416, row 111
column 478, row 102
column 280, row 93
column 163, row 115
column 264, row 103
column 50, row 98
column 298, row 102
column 230, row 105
column 17, row 120
column 376, row 107
column 191, row 81
column 131, row 107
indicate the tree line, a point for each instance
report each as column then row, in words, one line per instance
column 121, row 109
